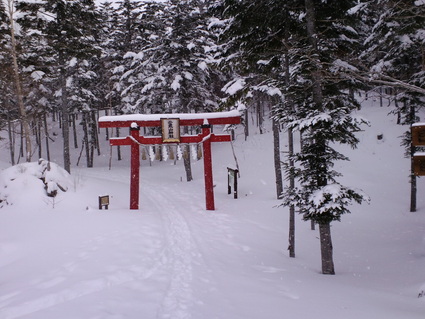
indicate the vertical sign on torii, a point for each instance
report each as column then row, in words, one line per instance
column 170, row 124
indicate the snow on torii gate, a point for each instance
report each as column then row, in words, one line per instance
column 170, row 124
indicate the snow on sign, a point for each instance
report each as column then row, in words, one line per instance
column 171, row 124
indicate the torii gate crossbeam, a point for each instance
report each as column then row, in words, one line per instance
column 206, row 137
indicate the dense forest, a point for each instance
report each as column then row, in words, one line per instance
column 304, row 60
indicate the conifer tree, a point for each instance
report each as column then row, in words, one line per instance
column 323, row 113
column 395, row 48
column 65, row 31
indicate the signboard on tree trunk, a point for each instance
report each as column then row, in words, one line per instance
column 418, row 134
column 419, row 164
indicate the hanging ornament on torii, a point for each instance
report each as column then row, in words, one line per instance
column 170, row 124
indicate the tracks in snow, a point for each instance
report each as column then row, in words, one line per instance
column 167, row 248
column 182, row 254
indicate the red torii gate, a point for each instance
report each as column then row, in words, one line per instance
column 171, row 127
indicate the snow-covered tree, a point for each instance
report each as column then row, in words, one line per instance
column 170, row 73
column 256, row 44
column 323, row 114
column 395, row 48
column 65, row 30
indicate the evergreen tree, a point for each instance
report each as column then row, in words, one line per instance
column 396, row 49
column 135, row 73
column 257, row 42
column 323, row 114
column 170, row 73
column 65, row 28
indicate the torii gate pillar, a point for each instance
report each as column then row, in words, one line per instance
column 208, row 174
column 135, row 169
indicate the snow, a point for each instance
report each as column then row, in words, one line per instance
column 157, row 117
column 202, row 65
column 174, row 259
column 176, row 83
column 37, row 75
column 418, row 124
column 234, row 86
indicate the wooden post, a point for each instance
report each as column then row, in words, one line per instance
column 232, row 179
column 135, row 168
column 209, row 187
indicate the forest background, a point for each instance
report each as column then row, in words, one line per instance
column 68, row 61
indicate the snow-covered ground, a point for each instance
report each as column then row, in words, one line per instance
column 64, row 258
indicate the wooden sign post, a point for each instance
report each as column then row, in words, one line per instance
column 170, row 124
column 232, row 181
column 104, row 201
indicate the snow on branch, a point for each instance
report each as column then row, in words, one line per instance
column 234, row 86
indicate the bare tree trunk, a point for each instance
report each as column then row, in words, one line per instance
column 38, row 138
column 11, row 140
column 277, row 161
column 246, row 124
column 18, row 83
column 291, row 246
column 260, row 118
column 117, row 134
column 413, row 186
column 86, row 138
column 65, row 115
column 74, row 129
column 46, row 131
column 291, row 163
column 95, row 132
column 326, row 249
column 186, row 161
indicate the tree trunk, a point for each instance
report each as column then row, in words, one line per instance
column 46, row 131
column 117, row 134
column 11, row 140
column 246, row 124
column 95, row 132
column 291, row 247
column 186, row 161
column 86, row 138
column 413, row 186
column 277, row 162
column 65, row 115
column 74, row 129
column 260, row 118
column 291, row 237
column 18, row 83
column 38, row 138
column 326, row 249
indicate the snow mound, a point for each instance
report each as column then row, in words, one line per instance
column 32, row 182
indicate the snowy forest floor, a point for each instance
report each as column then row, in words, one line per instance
column 173, row 259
